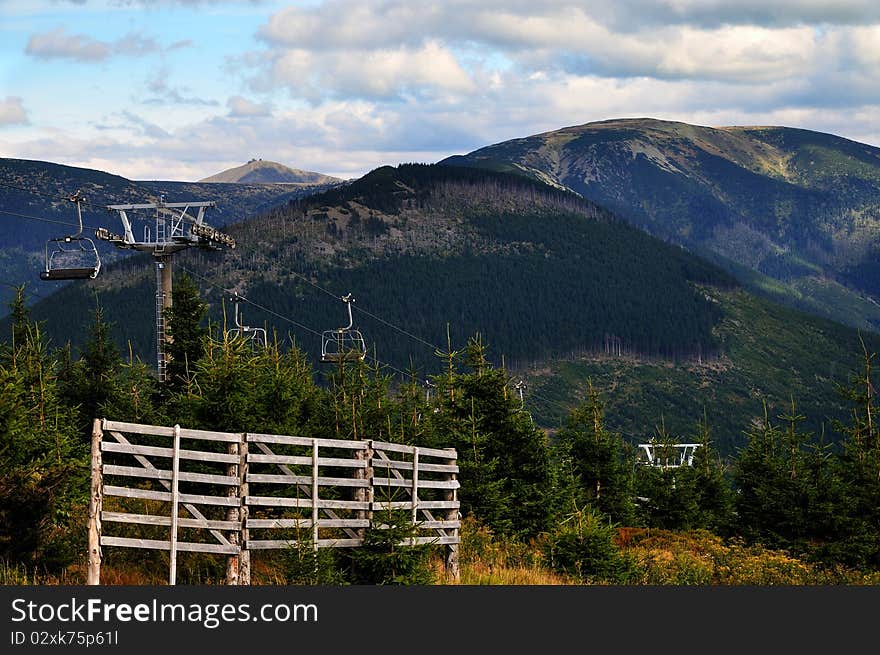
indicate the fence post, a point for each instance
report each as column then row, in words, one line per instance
column 233, row 514
column 244, row 555
column 175, row 499
column 415, row 494
column 96, row 503
column 369, row 475
column 360, row 493
column 452, row 514
column 315, row 494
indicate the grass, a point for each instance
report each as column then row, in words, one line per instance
column 661, row 557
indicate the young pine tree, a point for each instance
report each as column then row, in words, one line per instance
column 599, row 463
column 185, row 326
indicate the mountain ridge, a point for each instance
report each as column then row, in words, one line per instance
column 560, row 289
column 34, row 208
column 259, row 171
column 798, row 207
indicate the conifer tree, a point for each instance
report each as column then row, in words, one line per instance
column 88, row 383
column 772, row 499
column 186, row 330
column 600, row 465
column 859, row 472
column 42, row 467
column 504, row 460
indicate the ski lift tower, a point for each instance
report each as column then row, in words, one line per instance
column 173, row 229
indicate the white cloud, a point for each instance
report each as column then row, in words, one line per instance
column 243, row 108
column 346, row 86
column 385, row 73
column 12, row 111
column 58, row 44
column 166, row 94
column 390, row 49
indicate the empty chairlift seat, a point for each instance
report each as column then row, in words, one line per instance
column 72, row 257
column 344, row 344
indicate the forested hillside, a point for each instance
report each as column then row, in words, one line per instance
column 576, row 508
column 558, row 288
column 34, row 208
column 793, row 213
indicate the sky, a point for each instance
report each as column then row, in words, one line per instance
column 182, row 89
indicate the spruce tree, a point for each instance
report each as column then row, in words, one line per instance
column 43, row 472
column 599, row 461
column 859, row 472
column 187, row 332
column 504, row 461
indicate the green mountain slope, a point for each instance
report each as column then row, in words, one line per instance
column 556, row 285
column 36, row 189
column 799, row 207
column 258, row 171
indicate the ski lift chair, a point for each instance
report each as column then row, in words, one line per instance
column 343, row 344
column 72, row 257
column 256, row 335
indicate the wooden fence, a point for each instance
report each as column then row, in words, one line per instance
column 224, row 493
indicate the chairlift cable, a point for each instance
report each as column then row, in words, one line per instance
column 96, row 206
column 37, row 218
column 288, row 319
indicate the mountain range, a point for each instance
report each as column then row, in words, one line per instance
column 34, row 208
column 561, row 290
column 258, row 171
column 679, row 269
column 794, row 214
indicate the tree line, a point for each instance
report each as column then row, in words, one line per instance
column 786, row 488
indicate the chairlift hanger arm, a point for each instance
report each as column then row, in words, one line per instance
column 347, row 299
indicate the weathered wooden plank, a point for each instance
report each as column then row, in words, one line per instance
column 306, row 441
column 423, row 484
column 145, row 494
column 432, row 541
column 244, row 558
column 158, row 544
column 439, row 525
column 303, row 488
column 281, row 544
column 423, row 504
column 166, row 496
column 138, row 428
column 210, row 435
column 233, row 514
column 446, row 453
column 161, row 431
column 272, row 524
column 160, row 474
column 315, row 497
column 276, row 544
column 198, row 499
column 340, row 543
column 298, row 460
column 150, row 519
column 271, row 501
column 306, row 479
column 407, row 466
column 175, row 504
column 189, row 507
column 158, row 451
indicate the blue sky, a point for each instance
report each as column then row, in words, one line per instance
column 181, row 89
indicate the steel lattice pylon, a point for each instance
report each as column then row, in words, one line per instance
column 174, row 229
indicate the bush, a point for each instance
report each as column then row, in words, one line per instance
column 385, row 559
column 583, row 545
